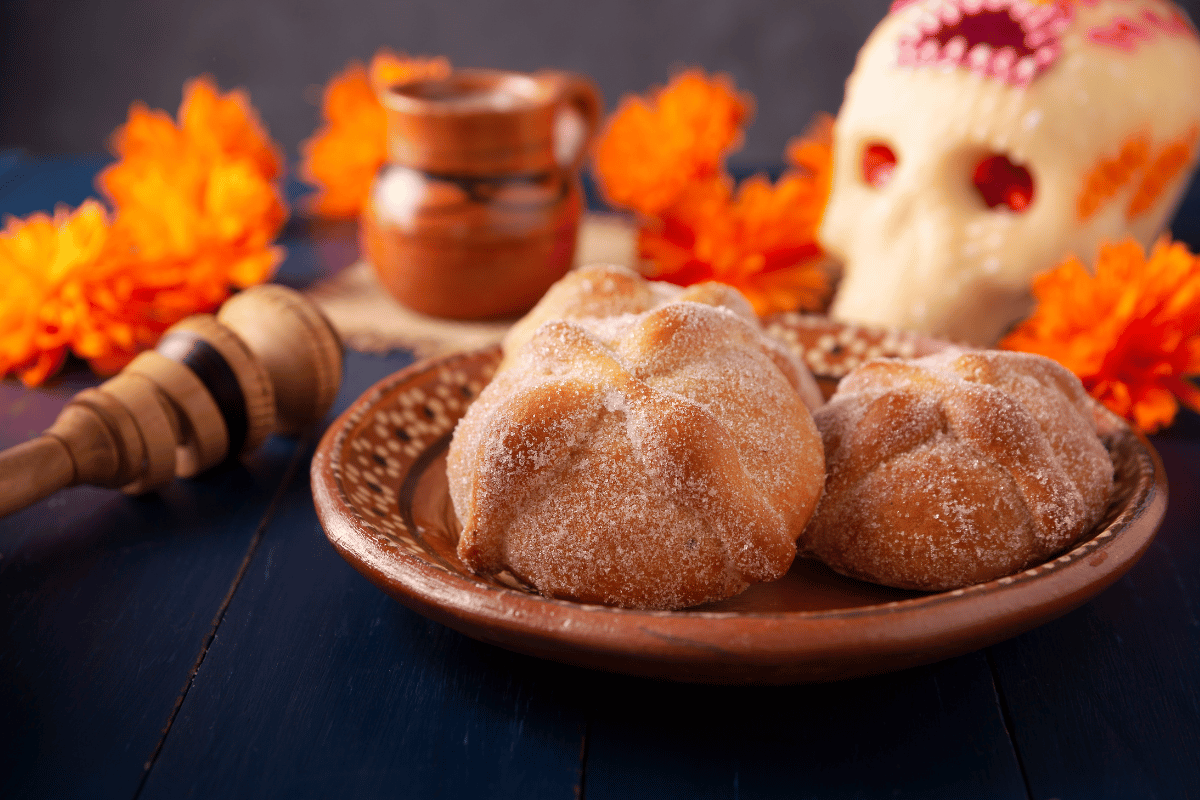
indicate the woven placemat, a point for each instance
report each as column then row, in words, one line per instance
column 369, row 320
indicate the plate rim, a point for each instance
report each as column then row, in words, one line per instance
column 728, row 646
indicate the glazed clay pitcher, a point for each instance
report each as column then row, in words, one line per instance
column 477, row 210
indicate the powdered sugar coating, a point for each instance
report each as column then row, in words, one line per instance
column 650, row 460
column 599, row 291
column 956, row 469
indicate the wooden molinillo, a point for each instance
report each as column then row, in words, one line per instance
column 215, row 386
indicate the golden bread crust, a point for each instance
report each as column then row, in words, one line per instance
column 956, row 469
column 601, row 291
column 652, row 460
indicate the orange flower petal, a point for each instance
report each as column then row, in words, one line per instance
column 1131, row 331
column 196, row 213
column 45, row 265
column 651, row 149
column 760, row 238
column 343, row 157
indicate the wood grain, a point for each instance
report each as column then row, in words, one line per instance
column 1105, row 703
column 318, row 685
column 933, row 731
column 106, row 602
column 312, row 683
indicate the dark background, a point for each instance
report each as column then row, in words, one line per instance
column 70, row 69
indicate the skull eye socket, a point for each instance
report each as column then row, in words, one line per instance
column 878, row 165
column 1002, row 183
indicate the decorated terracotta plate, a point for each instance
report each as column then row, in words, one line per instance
column 380, row 489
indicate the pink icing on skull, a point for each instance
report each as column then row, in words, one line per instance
column 983, row 141
column 1012, row 40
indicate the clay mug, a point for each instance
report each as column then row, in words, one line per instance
column 476, row 212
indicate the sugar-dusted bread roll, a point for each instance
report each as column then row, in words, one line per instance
column 956, row 469
column 608, row 290
column 655, row 460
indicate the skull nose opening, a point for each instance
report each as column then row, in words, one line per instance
column 1002, row 183
column 878, row 165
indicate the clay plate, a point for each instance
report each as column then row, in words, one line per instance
column 380, row 490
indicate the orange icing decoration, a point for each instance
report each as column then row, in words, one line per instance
column 1166, row 167
column 1156, row 171
column 1109, row 176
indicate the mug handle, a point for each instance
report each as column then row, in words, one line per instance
column 576, row 90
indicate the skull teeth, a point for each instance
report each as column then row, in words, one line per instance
column 950, row 14
column 1039, row 17
column 1045, row 56
column 1021, row 10
column 980, row 58
column 929, row 24
column 1025, row 70
column 1002, row 64
column 955, row 49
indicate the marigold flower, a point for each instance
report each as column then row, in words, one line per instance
column 1131, row 331
column 664, row 159
column 651, row 149
column 197, row 209
column 759, row 238
column 227, row 128
column 47, row 268
column 196, row 212
column 343, row 157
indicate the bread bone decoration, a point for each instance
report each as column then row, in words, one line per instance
column 610, row 290
column 982, row 141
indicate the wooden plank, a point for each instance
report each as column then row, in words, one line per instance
column 106, row 601
column 41, row 184
column 933, row 731
column 1105, row 702
column 319, row 685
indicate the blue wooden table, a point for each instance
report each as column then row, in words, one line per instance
column 206, row 641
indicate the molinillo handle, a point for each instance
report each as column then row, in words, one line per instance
column 268, row 362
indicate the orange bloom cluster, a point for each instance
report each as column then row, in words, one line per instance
column 196, row 212
column 653, row 149
column 342, row 158
column 1131, row 332
column 47, row 267
column 663, row 158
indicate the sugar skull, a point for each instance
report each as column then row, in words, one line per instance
column 982, row 141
